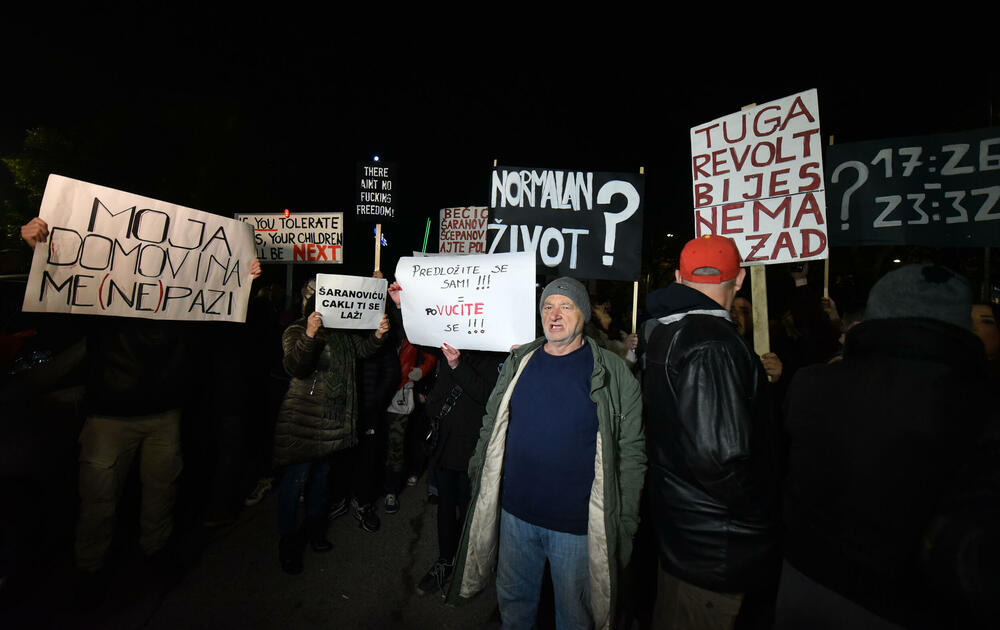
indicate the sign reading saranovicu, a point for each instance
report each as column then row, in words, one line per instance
column 311, row 237
column 582, row 224
column 376, row 196
column 110, row 252
column 350, row 301
column 941, row 190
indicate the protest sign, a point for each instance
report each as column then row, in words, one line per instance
column 350, row 301
column 375, row 192
column 316, row 237
column 477, row 302
column 938, row 190
column 758, row 179
column 463, row 230
column 110, row 252
column 583, row 224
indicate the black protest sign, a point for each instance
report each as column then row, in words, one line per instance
column 376, row 197
column 582, row 224
column 941, row 190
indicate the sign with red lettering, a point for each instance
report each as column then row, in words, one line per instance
column 316, row 237
column 111, row 252
column 463, row 230
column 758, row 179
column 477, row 302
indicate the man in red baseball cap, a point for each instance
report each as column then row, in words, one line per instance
column 712, row 479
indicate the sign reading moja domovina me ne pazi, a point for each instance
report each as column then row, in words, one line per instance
column 316, row 237
column 583, row 224
column 376, row 197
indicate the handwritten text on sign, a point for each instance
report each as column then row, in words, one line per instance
column 110, row 252
column 758, row 179
column 299, row 238
column 350, row 301
column 463, row 230
column 584, row 224
column 939, row 190
column 375, row 193
column 478, row 302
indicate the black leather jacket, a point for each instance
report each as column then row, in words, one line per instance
column 713, row 447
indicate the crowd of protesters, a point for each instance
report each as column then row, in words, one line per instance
column 849, row 477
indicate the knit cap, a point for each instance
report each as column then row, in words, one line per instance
column 571, row 288
column 930, row 291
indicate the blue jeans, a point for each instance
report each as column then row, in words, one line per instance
column 312, row 476
column 521, row 564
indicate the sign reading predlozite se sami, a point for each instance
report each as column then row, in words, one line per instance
column 476, row 302
column 110, row 252
column 316, row 237
column 758, row 179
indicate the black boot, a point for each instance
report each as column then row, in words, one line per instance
column 290, row 554
column 315, row 529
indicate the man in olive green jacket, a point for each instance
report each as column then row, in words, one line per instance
column 611, row 510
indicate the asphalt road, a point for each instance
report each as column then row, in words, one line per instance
column 230, row 578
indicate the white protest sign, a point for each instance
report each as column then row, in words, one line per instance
column 316, row 237
column 758, row 179
column 350, row 301
column 463, row 230
column 477, row 302
column 110, row 252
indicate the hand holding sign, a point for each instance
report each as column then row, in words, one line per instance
column 35, row 231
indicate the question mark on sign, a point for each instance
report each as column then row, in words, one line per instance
column 845, row 201
column 612, row 219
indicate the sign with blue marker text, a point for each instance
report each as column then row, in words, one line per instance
column 111, row 252
column 350, row 301
column 472, row 302
column 941, row 190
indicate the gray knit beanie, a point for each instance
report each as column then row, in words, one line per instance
column 930, row 291
column 573, row 289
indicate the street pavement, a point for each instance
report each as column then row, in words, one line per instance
column 230, row 577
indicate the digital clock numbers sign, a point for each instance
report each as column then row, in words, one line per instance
column 941, row 190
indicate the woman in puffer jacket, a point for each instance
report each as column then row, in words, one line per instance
column 317, row 418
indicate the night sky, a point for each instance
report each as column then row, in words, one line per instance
column 228, row 113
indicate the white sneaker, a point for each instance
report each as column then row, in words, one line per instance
column 264, row 485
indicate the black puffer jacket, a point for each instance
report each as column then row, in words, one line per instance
column 320, row 409
column 712, row 482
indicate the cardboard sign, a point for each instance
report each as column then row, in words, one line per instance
column 110, row 252
column 350, row 301
column 758, row 179
column 463, row 230
column 316, row 237
column 939, row 190
column 478, row 302
column 579, row 223
column 375, row 193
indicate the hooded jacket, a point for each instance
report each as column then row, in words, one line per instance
column 620, row 464
column 713, row 445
